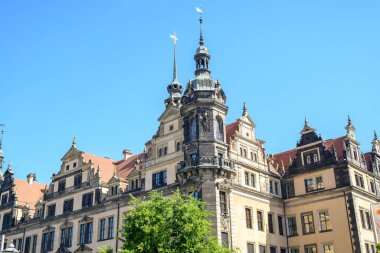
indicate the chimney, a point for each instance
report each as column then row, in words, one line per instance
column 126, row 154
column 31, row 177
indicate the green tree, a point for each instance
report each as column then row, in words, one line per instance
column 174, row 224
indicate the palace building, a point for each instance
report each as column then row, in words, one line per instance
column 317, row 197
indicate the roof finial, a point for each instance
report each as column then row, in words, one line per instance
column 74, row 142
column 200, row 11
column 1, row 135
column 349, row 123
column 174, row 37
column 244, row 110
column 375, row 135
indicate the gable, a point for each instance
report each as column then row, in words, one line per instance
column 170, row 113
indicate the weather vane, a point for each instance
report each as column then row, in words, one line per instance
column 199, row 10
column 174, row 38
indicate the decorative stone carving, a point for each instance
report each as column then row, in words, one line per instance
column 205, row 121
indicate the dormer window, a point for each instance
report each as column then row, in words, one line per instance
column 74, row 165
column 178, row 146
column 355, row 154
column 4, row 199
column 308, row 159
column 315, row 158
column 171, row 127
column 67, row 167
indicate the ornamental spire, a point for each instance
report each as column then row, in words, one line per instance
column 375, row 135
column 74, row 144
column 200, row 11
column 174, row 37
column 244, row 110
column 174, row 88
column 1, row 145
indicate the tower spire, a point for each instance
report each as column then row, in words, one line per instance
column 174, row 37
column 174, row 88
column 200, row 11
column 1, row 147
column 375, row 135
column 244, row 110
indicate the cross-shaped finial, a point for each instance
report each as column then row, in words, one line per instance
column 174, row 38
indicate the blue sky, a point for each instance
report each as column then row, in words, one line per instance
column 98, row 70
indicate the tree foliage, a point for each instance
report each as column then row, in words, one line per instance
column 174, row 224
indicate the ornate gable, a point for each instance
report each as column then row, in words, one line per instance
column 170, row 113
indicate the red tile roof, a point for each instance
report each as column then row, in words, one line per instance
column 28, row 194
column 125, row 167
column 230, row 130
column 105, row 165
column 283, row 159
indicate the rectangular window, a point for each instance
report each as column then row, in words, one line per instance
column 324, row 221
column 280, row 226
column 362, row 219
column 19, row 244
column 294, row 250
column 313, row 184
column 368, row 220
column 276, row 188
column 250, row 248
column 261, row 249
column 272, row 249
column 159, row 179
column 282, row 250
column 85, row 233
column 372, row 186
column 87, row 199
column 223, row 202
column 50, row 211
column 67, row 236
column 225, row 241
column 373, row 249
column 307, row 223
column 359, row 180
column 27, row 244
column 253, row 182
column 68, row 206
column 271, row 186
column 248, row 217
column 61, row 185
column 7, row 221
column 78, row 180
column 270, row 223
column 367, row 248
column 328, row 248
column 102, row 231
column 47, row 242
column 110, row 228
column 260, row 223
column 292, row 226
column 34, row 246
column 246, row 177
column 4, row 199
column 311, row 248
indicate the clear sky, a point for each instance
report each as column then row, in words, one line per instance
column 98, row 70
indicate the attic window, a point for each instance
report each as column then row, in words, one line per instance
column 171, row 127
column 247, row 134
column 315, row 158
column 74, row 165
column 67, row 167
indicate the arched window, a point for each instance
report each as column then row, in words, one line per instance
column 241, row 151
column 132, row 185
column 251, row 155
column 178, row 146
column 219, row 129
column 137, row 183
column 315, row 158
column 308, row 159
column 193, row 129
column 165, row 150
column 160, row 152
column 245, row 153
column 255, row 157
